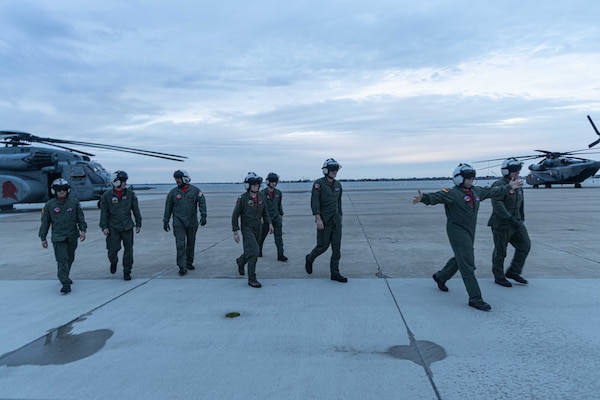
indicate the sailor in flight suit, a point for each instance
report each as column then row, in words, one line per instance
column 461, row 204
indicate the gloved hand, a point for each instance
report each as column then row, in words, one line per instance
column 516, row 224
column 202, row 221
column 166, row 227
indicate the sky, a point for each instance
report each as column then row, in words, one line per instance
column 388, row 88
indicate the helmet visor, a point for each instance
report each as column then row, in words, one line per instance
column 513, row 167
column 468, row 173
column 61, row 188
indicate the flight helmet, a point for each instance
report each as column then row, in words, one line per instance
column 60, row 184
column 330, row 165
column 272, row 177
column 118, row 177
column 183, row 175
column 461, row 172
column 252, row 179
column 510, row 165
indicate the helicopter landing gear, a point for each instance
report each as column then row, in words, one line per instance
column 9, row 207
column 536, row 186
column 98, row 204
column 578, row 185
column 548, row 186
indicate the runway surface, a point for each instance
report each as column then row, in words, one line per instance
column 388, row 333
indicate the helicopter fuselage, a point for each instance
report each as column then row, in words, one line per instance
column 27, row 172
column 561, row 170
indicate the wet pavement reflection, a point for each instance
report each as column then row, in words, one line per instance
column 59, row 346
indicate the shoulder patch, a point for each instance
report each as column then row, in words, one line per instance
column 445, row 190
column 317, row 185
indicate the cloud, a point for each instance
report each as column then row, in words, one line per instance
column 386, row 87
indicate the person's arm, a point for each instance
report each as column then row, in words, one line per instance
column 104, row 210
column 81, row 224
column 202, row 208
column 315, row 204
column 235, row 219
column 137, row 215
column 280, row 204
column 168, row 212
column 441, row 197
column 46, row 221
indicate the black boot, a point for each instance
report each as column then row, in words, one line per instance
column 502, row 282
column 516, row 277
column 240, row 265
column 339, row 278
column 480, row 305
column 308, row 265
column 281, row 257
column 441, row 285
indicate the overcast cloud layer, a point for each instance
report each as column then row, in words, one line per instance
column 390, row 89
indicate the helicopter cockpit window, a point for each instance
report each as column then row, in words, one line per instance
column 77, row 171
column 93, row 174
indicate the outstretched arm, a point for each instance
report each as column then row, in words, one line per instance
column 417, row 198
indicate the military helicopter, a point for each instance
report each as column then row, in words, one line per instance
column 26, row 171
column 561, row 167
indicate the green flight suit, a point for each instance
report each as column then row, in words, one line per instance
column 183, row 204
column 115, row 214
column 67, row 220
column 326, row 200
column 275, row 209
column 461, row 220
column 507, row 220
column 252, row 212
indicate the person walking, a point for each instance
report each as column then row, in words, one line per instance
column 250, row 208
column 183, row 203
column 326, row 205
column 507, row 223
column 116, row 209
column 65, row 215
column 273, row 198
column 461, row 204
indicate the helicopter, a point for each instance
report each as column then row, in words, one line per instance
column 558, row 168
column 27, row 172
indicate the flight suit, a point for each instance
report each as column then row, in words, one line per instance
column 183, row 204
column 507, row 227
column 253, row 212
column 326, row 200
column 275, row 210
column 461, row 208
column 115, row 214
column 67, row 221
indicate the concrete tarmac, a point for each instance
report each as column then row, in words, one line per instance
column 388, row 333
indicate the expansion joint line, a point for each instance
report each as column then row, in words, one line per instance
column 380, row 274
column 566, row 252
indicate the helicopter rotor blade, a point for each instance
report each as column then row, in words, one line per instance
column 69, row 149
column 131, row 150
column 527, row 157
column 15, row 137
column 149, row 153
column 597, row 133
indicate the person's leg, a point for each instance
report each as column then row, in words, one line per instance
column 127, row 238
column 501, row 239
column 250, row 239
column 522, row 244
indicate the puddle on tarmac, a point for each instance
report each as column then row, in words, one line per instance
column 58, row 347
column 419, row 352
